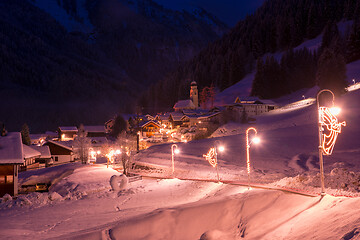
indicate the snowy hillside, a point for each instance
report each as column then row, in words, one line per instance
column 243, row 87
column 73, row 18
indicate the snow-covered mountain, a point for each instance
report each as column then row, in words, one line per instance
column 228, row 11
column 62, row 55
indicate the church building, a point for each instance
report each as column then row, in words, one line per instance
column 192, row 103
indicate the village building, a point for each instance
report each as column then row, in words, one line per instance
column 192, row 103
column 44, row 159
column 11, row 157
column 61, row 152
column 254, row 106
column 176, row 119
column 30, row 156
column 67, row 133
column 149, row 128
column 184, row 104
column 95, row 131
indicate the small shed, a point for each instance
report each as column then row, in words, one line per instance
column 11, row 156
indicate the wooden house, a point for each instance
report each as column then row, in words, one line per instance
column 176, row 119
column 11, row 156
column 45, row 158
column 30, row 156
column 95, row 131
column 67, row 133
column 149, row 128
column 60, row 152
column 255, row 106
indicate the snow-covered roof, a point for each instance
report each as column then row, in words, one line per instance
column 189, row 112
column 164, row 116
column 148, row 122
column 98, row 129
column 68, row 129
column 63, row 144
column 209, row 115
column 176, row 116
column 44, row 150
column 30, row 152
column 11, row 149
column 184, row 104
column 37, row 136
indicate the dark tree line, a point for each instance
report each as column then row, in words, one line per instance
column 276, row 26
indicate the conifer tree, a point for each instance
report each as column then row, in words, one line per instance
column 25, row 134
column 331, row 72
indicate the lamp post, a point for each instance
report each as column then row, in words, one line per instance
column 353, row 81
column 326, row 117
column 174, row 150
column 255, row 140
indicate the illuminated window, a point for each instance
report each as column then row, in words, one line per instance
column 9, row 179
column 2, row 179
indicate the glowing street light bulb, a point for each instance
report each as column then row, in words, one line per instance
column 335, row 110
column 176, row 151
column 118, row 151
column 221, row 148
column 256, row 140
column 98, row 152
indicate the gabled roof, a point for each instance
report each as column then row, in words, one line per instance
column 67, row 145
column 11, row 149
column 209, row 115
column 176, row 116
column 93, row 129
column 44, row 151
column 30, row 152
column 164, row 116
column 184, row 104
column 68, row 129
column 148, row 122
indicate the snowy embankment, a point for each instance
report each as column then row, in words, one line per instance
column 173, row 209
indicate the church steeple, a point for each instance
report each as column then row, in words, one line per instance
column 194, row 95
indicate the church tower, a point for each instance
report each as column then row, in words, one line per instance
column 194, row 95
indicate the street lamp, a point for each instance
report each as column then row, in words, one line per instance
column 353, row 81
column 327, row 118
column 255, row 140
column 221, row 149
column 174, row 150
